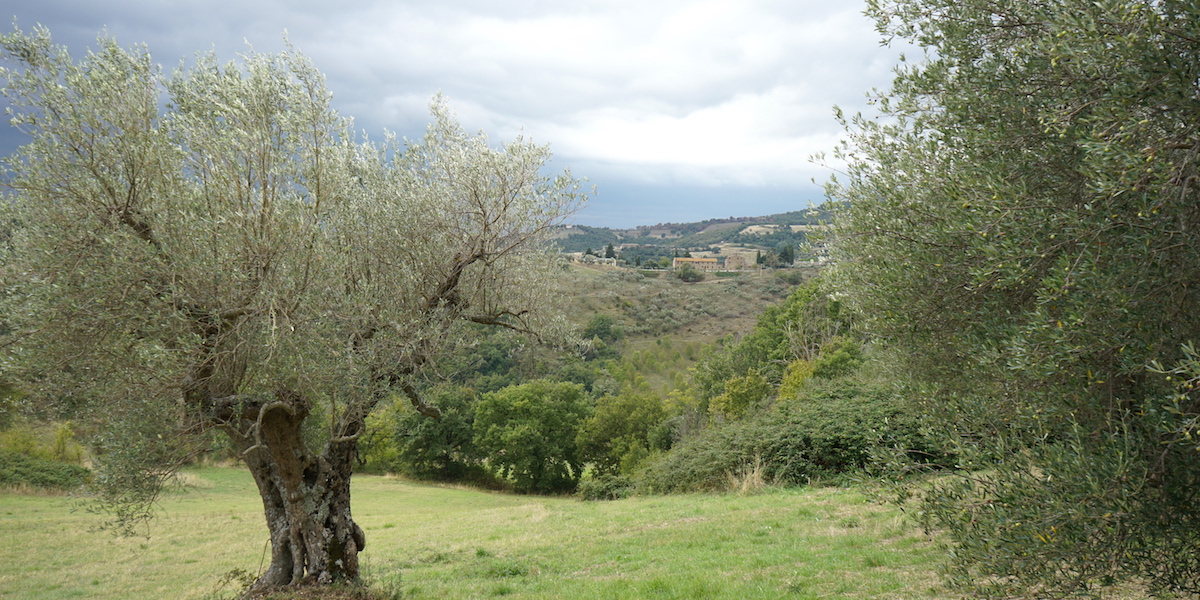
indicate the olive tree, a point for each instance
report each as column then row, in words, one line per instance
column 216, row 251
column 1021, row 228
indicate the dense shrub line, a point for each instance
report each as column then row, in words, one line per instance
column 20, row 470
column 832, row 428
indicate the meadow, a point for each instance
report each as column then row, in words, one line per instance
column 429, row 541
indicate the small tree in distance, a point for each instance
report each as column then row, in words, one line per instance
column 416, row 445
column 618, row 435
column 689, row 274
column 529, row 432
column 239, row 262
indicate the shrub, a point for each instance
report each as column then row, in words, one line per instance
column 689, row 274
column 606, row 487
column 603, row 327
column 839, row 357
column 741, row 394
column 46, row 441
column 618, row 434
column 19, row 470
column 797, row 328
column 404, row 441
column 794, row 375
column 834, row 427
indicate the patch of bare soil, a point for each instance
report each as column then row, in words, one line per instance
column 314, row 592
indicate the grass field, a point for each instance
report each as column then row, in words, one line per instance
column 426, row 541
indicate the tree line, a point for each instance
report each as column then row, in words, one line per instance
column 594, row 424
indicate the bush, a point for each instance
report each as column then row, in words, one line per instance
column 45, row 441
column 528, row 433
column 689, row 274
column 19, row 470
column 741, row 394
column 606, row 487
column 839, row 357
column 603, row 327
column 790, row 276
column 795, row 375
column 833, row 428
column 798, row 328
column 618, row 434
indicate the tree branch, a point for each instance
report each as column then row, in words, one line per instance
column 422, row 407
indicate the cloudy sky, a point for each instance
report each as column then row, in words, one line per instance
column 676, row 110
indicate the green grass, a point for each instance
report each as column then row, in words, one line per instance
column 434, row 542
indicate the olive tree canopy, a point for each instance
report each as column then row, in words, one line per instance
column 218, row 251
column 1022, row 228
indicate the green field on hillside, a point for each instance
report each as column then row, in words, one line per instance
column 425, row 541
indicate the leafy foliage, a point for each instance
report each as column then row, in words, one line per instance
column 622, row 431
column 797, row 328
column 838, row 357
column 528, row 432
column 52, row 441
column 20, row 470
column 1022, row 230
column 405, row 441
column 606, row 487
column 689, row 274
column 740, row 395
column 833, row 428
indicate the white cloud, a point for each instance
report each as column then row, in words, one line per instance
column 739, row 92
column 750, row 139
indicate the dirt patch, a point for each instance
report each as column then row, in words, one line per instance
column 315, row 592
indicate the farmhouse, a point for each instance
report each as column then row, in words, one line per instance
column 735, row 262
column 720, row 263
column 700, row 264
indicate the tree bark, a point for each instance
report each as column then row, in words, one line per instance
column 306, row 497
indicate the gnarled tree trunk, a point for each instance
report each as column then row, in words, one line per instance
column 306, row 496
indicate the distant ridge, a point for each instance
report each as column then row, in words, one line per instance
column 765, row 232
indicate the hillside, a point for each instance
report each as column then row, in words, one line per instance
column 764, row 232
column 665, row 325
column 648, row 305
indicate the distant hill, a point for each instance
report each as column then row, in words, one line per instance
column 668, row 239
column 580, row 238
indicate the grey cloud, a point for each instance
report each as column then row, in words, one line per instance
column 566, row 73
